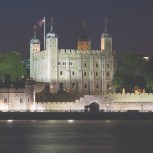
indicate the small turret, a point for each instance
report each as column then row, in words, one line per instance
column 106, row 39
column 84, row 42
column 35, row 42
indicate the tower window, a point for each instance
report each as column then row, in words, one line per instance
column 107, row 65
column 64, row 63
column 5, row 100
column 60, row 72
column 85, row 86
column 96, row 73
column 85, row 73
column 97, row 86
column 21, row 100
column 73, row 73
column 108, row 86
column 73, row 85
column 96, row 64
column 85, row 64
column 107, row 73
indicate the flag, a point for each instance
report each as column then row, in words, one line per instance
column 41, row 22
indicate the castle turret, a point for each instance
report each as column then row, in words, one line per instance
column 34, row 48
column 52, row 49
column 84, row 42
column 106, row 39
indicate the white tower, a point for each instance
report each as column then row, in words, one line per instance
column 34, row 48
column 52, row 51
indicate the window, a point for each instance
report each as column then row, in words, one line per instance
column 107, row 73
column 85, row 86
column 107, row 65
column 108, row 86
column 28, row 99
column 97, row 86
column 73, row 73
column 73, row 85
column 59, row 63
column 60, row 72
column 21, row 100
column 5, row 100
column 96, row 64
column 85, row 64
column 96, row 73
column 85, row 73
column 64, row 63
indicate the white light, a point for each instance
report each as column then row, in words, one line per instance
column 9, row 121
column 70, row 121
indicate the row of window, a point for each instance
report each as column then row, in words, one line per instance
column 85, row 73
column 85, row 64
column 21, row 100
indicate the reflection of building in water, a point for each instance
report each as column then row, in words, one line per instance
column 80, row 70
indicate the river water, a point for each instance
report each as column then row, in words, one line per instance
column 71, row 136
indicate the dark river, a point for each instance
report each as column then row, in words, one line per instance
column 76, row 136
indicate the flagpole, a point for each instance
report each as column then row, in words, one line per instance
column 44, row 33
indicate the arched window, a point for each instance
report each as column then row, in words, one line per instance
column 85, row 86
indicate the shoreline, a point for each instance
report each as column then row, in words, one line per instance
column 76, row 116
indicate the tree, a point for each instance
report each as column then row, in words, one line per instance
column 149, row 74
column 10, row 64
column 130, row 72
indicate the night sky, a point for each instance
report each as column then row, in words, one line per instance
column 130, row 23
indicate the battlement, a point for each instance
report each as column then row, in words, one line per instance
column 76, row 51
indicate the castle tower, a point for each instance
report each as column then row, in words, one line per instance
column 108, row 61
column 34, row 48
column 106, row 39
column 52, row 49
column 84, row 42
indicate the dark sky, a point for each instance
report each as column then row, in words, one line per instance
column 131, row 23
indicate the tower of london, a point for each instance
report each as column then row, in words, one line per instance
column 81, row 70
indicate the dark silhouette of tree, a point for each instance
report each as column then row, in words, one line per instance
column 11, row 65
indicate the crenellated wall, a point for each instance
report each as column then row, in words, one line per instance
column 13, row 99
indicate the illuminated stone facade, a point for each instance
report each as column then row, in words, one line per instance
column 82, row 71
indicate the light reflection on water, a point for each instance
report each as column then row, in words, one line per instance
column 71, row 136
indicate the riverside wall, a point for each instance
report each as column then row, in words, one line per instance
column 24, row 100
